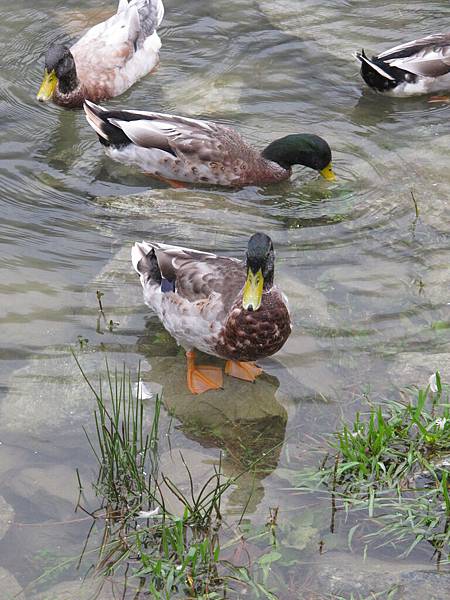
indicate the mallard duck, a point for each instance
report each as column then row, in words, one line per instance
column 177, row 149
column 417, row 67
column 108, row 59
column 222, row 306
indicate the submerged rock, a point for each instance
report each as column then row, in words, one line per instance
column 9, row 587
column 339, row 574
column 6, row 517
column 53, row 490
column 49, row 393
column 415, row 368
column 308, row 20
column 83, row 590
column 341, row 28
column 208, row 95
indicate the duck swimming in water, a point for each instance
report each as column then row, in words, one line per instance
column 183, row 150
column 108, row 59
column 418, row 67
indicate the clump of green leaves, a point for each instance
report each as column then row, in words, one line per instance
column 392, row 444
column 124, row 448
column 155, row 552
column 393, row 462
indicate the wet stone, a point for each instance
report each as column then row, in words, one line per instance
column 82, row 590
column 53, row 490
column 49, row 393
column 6, row 516
column 12, row 457
column 415, row 368
column 9, row 587
column 303, row 20
column 207, row 96
column 340, row 574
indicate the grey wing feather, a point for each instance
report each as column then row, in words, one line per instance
column 178, row 135
column 151, row 13
column 145, row 133
column 198, row 274
column 222, row 276
column 428, row 57
column 171, row 258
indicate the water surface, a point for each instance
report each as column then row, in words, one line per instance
column 367, row 279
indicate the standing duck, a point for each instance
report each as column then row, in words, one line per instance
column 418, row 67
column 222, row 306
column 108, row 59
column 180, row 150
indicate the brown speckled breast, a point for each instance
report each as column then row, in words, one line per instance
column 73, row 99
column 76, row 98
column 248, row 336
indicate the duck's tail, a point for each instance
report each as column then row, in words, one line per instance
column 367, row 63
column 150, row 14
column 140, row 253
column 145, row 263
column 98, row 119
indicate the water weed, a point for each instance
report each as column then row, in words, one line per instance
column 154, row 550
column 392, row 463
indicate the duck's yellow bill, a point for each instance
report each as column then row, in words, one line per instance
column 47, row 86
column 253, row 290
column 328, row 172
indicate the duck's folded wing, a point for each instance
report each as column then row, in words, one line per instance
column 112, row 43
column 174, row 134
column 428, row 57
column 219, row 277
column 151, row 13
column 197, row 275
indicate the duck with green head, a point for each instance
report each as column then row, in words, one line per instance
column 181, row 150
column 219, row 305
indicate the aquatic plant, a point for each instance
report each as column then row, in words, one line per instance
column 154, row 551
column 392, row 462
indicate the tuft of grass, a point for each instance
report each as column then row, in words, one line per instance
column 392, row 463
column 125, row 451
column 160, row 554
column 388, row 448
column 391, row 445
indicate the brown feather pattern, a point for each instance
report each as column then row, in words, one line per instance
column 251, row 335
column 206, row 310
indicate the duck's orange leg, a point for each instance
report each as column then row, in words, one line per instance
column 201, row 378
column 247, row 371
column 172, row 182
column 444, row 99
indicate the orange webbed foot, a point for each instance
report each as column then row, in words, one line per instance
column 435, row 99
column 247, row 371
column 173, row 183
column 201, row 378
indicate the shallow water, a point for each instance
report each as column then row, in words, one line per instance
column 367, row 279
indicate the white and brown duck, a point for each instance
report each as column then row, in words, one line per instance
column 221, row 306
column 108, row 59
column 181, row 150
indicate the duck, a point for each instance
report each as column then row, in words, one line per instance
column 418, row 67
column 180, row 150
column 219, row 305
column 108, row 59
